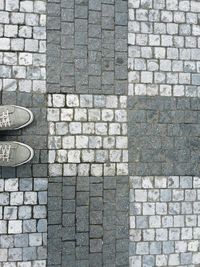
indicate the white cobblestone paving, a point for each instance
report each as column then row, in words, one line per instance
column 23, row 200
column 23, row 46
column 164, row 48
column 88, row 135
column 164, row 221
column 23, row 221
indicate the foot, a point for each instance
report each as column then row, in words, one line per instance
column 13, row 154
column 14, row 117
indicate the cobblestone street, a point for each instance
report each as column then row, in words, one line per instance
column 114, row 87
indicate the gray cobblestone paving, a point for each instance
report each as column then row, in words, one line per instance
column 89, row 136
column 88, row 221
column 88, row 158
column 163, row 135
column 88, row 161
column 87, row 46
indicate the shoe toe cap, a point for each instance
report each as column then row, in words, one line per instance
column 23, row 117
column 24, row 153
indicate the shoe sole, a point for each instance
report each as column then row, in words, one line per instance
column 31, row 156
column 31, row 117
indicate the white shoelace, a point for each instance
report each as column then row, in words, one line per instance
column 4, row 119
column 5, row 152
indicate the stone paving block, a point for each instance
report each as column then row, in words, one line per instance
column 79, row 135
column 74, row 21
column 88, row 233
column 169, row 233
column 152, row 28
column 168, row 132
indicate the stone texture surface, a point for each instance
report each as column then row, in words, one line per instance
column 163, row 135
column 23, row 190
column 88, row 221
column 88, row 204
column 23, row 221
column 164, row 228
column 164, row 48
column 88, row 155
column 163, row 132
column 23, row 46
column 88, row 159
column 87, row 46
column 88, row 135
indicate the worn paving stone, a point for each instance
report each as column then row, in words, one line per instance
column 93, row 29
column 163, row 136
